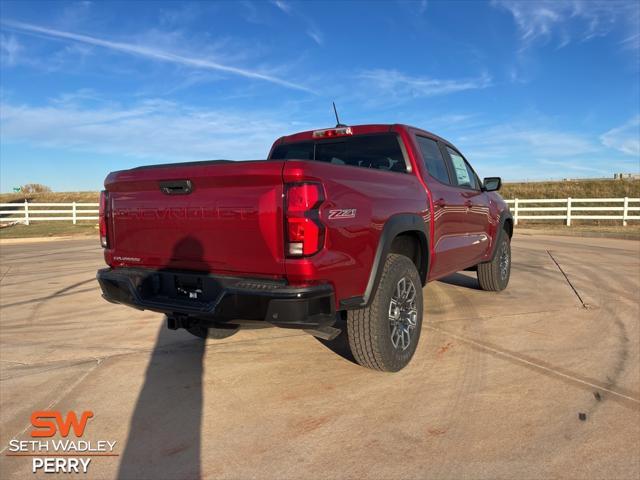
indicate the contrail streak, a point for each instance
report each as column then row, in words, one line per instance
column 152, row 53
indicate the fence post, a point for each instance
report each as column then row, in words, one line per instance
column 625, row 211
column 73, row 213
column 569, row 212
column 26, row 212
column 515, row 212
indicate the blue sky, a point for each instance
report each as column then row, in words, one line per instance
column 527, row 90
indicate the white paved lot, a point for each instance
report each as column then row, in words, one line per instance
column 495, row 389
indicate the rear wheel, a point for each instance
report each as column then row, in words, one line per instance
column 494, row 276
column 384, row 335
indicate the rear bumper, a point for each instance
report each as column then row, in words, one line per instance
column 219, row 299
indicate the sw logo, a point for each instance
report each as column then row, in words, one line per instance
column 50, row 455
column 47, row 422
column 342, row 213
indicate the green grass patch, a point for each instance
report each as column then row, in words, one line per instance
column 630, row 232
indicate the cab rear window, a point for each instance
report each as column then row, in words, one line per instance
column 380, row 151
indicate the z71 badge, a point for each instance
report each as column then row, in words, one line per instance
column 342, row 213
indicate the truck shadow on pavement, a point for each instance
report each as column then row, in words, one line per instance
column 461, row 280
column 164, row 434
column 340, row 344
column 164, row 440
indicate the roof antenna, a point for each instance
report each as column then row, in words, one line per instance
column 338, row 124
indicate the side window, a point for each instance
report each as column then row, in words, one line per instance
column 381, row 152
column 464, row 176
column 433, row 159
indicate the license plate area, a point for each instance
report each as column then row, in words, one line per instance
column 167, row 286
column 190, row 288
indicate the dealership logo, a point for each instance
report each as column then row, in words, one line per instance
column 44, row 426
column 68, row 454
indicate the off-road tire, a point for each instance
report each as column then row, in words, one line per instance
column 369, row 329
column 211, row 332
column 494, row 276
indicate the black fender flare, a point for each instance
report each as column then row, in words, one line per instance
column 504, row 216
column 394, row 226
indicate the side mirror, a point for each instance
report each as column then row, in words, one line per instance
column 491, row 184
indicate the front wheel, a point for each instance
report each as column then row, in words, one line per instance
column 384, row 335
column 494, row 276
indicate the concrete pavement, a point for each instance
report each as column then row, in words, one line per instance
column 495, row 389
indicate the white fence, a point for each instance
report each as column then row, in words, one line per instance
column 44, row 212
column 566, row 208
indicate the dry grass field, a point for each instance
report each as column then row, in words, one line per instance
column 575, row 189
column 50, row 197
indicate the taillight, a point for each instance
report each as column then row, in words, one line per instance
column 103, row 216
column 333, row 132
column 304, row 231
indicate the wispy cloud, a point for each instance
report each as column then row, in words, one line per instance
column 575, row 20
column 392, row 84
column 572, row 165
column 251, row 13
column 153, row 129
column 152, row 53
column 282, row 5
column 312, row 30
column 316, row 36
column 519, row 150
column 534, row 19
column 9, row 49
column 181, row 14
column 513, row 140
column 625, row 138
column 632, row 41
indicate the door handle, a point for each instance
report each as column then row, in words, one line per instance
column 440, row 203
column 176, row 187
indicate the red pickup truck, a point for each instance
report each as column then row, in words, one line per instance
column 340, row 226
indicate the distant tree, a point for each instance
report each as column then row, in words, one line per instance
column 35, row 188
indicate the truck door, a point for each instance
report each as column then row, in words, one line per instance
column 475, row 236
column 449, row 212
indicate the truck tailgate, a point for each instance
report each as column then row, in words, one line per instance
column 218, row 217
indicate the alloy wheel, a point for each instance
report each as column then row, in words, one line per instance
column 403, row 314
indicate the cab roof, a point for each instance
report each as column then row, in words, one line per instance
column 364, row 129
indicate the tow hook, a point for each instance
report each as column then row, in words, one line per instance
column 174, row 322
